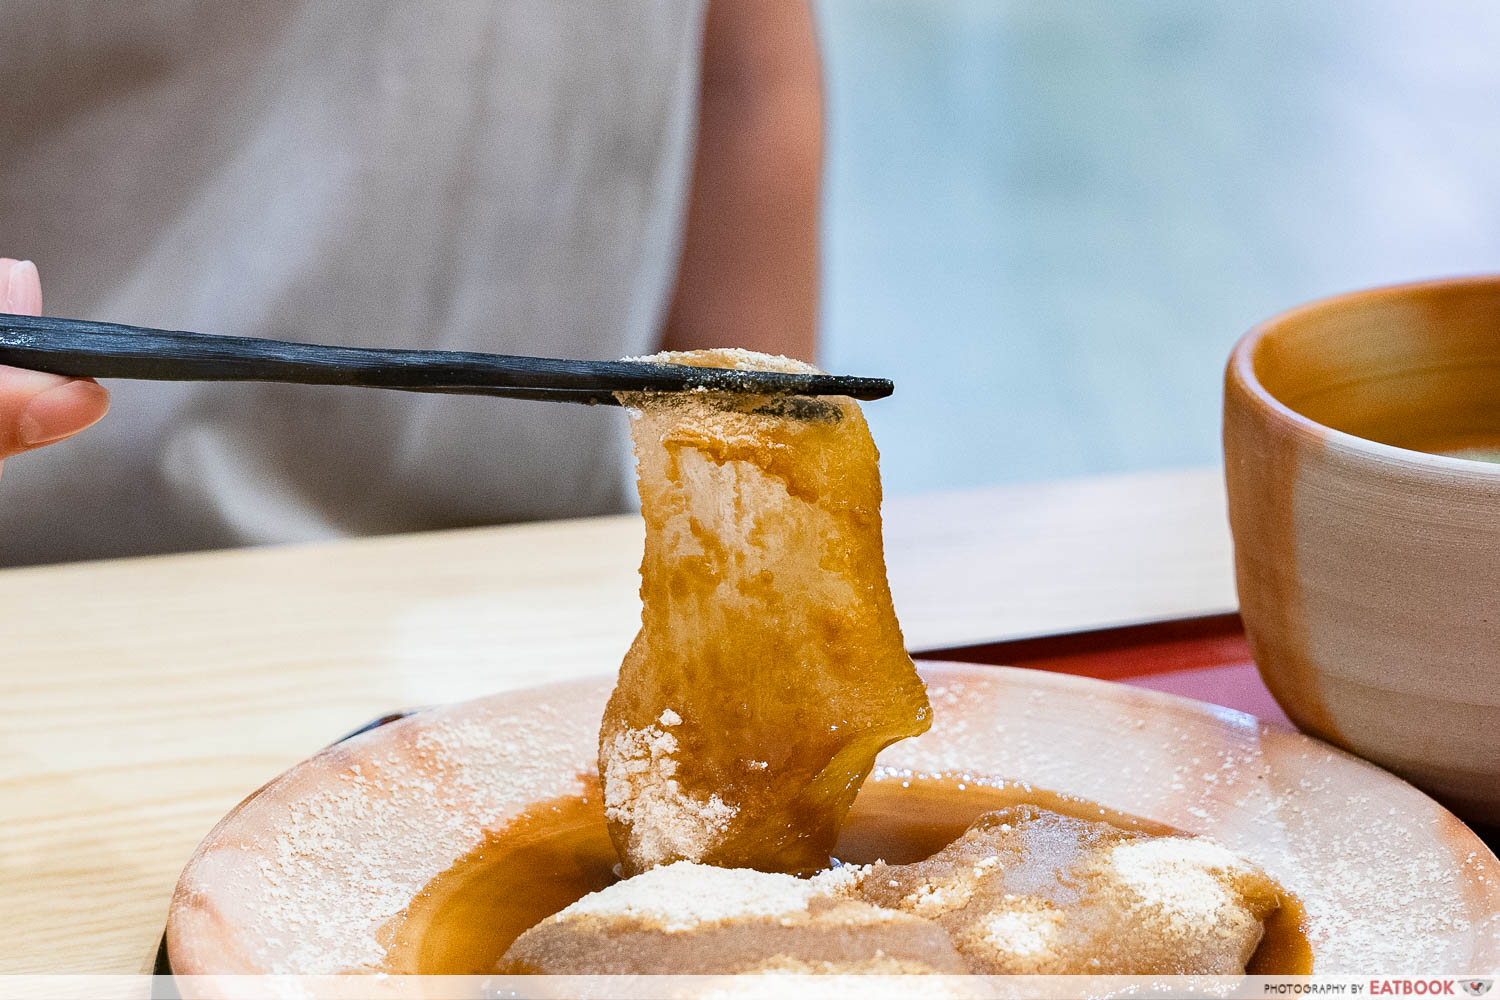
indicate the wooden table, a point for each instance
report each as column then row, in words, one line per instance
column 145, row 697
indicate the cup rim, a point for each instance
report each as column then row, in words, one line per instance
column 1242, row 370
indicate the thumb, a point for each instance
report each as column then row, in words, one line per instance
column 37, row 409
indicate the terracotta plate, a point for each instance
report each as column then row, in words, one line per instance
column 302, row 877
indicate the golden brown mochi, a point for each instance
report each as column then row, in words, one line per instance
column 689, row 919
column 1026, row 890
column 769, row 669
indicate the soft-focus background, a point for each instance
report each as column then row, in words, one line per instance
column 1049, row 221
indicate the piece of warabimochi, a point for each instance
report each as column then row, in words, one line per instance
column 1026, row 890
column 769, row 669
column 686, row 918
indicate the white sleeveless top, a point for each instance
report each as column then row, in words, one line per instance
column 502, row 176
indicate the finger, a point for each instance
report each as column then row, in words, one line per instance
column 20, row 287
column 38, row 409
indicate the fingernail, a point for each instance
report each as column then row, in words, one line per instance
column 58, row 412
column 23, row 292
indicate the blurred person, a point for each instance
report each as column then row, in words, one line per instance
column 549, row 177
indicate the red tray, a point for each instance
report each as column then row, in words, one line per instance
column 1203, row 658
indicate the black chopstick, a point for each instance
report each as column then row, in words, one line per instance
column 85, row 349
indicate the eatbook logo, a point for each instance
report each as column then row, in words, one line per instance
column 1476, row 987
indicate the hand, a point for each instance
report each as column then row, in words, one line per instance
column 38, row 409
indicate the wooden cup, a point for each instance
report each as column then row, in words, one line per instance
column 1367, row 549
